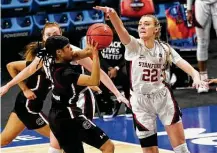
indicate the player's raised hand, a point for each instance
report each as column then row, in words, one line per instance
column 92, row 46
column 106, row 10
column 3, row 90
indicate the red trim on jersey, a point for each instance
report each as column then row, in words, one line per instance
column 131, row 76
column 138, row 123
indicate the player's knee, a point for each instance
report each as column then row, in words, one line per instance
column 202, row 44
column 181, row 148
column 108, row 147
column 5, row 140
column 202, row 49
column 149, row 141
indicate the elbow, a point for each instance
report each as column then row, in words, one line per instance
column 9, row 66
column 95, row 83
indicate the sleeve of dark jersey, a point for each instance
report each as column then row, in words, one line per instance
column 70, row 77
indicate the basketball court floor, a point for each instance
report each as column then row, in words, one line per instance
column 200, row 125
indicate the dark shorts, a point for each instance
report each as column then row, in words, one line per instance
column 70, row 133
column 29, row 112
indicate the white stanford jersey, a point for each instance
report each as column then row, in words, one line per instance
column 147, row 65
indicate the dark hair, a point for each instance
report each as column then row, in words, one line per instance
column 30, row 50
column 54, row 43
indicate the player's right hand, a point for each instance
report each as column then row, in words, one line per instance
column 92, row 46
column 3, row 90
column 29, row 94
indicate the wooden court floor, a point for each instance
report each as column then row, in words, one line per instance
column 120, row 147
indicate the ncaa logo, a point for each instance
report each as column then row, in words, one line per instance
column 86, row 124
column 39, row 121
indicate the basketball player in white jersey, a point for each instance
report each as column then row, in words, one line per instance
column 151, row 97
column 205, row 14
column 51, row 29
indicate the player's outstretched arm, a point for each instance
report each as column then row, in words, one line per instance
column 187, row 68
column 117, row 23
column 94, row 78
column 25, row 73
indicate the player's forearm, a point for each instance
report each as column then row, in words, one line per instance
column 25, row 73
column 189, row 4
column 187, row 68
column 88, row 63
column 95, row 74
column 77, row 55
column 14, row 73
column 119, row 27
column 108, row 83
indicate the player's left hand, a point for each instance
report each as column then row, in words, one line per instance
column 122, row 99
column 197, row 83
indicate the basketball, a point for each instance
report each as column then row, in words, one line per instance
column 100, row 33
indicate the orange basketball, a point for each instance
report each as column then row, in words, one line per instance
column 100, row 33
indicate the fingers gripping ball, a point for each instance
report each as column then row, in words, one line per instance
column 100, row 33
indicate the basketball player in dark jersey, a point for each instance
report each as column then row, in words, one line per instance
column 69, row 125
column 29, row 102
column 51, row 29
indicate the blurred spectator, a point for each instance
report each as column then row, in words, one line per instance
column 113, row 63
column 205, row 13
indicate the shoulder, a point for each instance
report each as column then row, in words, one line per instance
column 165, row 45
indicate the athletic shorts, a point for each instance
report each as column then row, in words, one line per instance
column 29, row 112
column 70, row 133
column 146, row 108
column 205, row 12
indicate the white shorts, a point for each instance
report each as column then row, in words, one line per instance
column 146, row 108
column 205, row 13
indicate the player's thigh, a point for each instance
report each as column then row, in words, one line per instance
column 45, row 130
column 144, row 113
column 9, row 133
column 168, row 109
column 53, row 141
column 202, row 12
column 67, row 133
column 91, row 133
column 214, row 15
